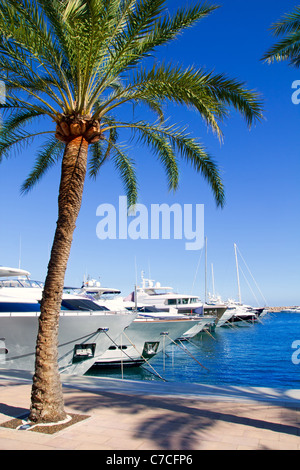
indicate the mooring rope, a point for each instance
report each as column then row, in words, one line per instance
column 131, row 358
column 209, row 334
column 188, row 352
column 155, row 372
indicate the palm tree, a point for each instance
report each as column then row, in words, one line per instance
column 75, row 63
column 288, row 47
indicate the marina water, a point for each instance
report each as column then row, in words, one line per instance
column 259, row 355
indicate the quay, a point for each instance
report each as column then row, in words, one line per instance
column 140, row 416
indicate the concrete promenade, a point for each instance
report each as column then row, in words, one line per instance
column 137, row 416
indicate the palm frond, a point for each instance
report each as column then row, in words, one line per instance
column 17, row 140
column 156, row 136
column 83, row 59
column 27, row 38
column 97, row 159
column 100, row 153
column 13, row 102
column 25, row 26
column 168, row 28
column 18, row 119
column 234, row 93
column 49, row 154
column 202, row 162
column 163, row 149
column 147, row 28
column 211, row 95
column 288, row 48
column 290, row 22
column 125, row 167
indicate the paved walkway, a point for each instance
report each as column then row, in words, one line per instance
column 127, row 415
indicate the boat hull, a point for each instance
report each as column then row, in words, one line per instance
column 217, row 310
column 142, row 340
column 243, row 320
column 204, row 323
column 83, row 337
column 237, row 319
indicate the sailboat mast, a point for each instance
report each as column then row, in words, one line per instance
column 213, row 279
column 237, row 274
column 135, row 298
column 20, row 250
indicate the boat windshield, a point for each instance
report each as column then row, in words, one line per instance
column 81, row 304
column 182, row 301
column 20, row 283
column 156, row 291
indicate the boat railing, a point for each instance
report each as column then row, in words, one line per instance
column 21, row 283
column 66, row 313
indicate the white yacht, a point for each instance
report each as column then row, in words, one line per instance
column 149, row 333
column 108, row 297
column 163, row 298
column 86, row 329
column 240, row 314
column 237, row 313
column 93, row 287
column 294, row 309
column 144, row 338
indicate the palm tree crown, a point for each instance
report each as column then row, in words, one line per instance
column 77, row 61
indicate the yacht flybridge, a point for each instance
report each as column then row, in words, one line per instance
column 13, row 272
column 163, row 298
column 86, row 329
column 93, row 287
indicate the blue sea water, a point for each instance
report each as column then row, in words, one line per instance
column 258, row 355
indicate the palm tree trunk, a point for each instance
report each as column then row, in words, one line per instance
column 47, row 404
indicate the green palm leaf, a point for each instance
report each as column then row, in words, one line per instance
column 51, row 151
column 288, row 48
column 70, row 56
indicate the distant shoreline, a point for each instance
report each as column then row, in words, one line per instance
column 280, row 309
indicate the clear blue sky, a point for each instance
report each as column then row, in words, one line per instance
column 260, row 169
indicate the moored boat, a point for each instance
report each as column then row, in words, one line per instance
column 142, row 340
column 108, row 297
column 86, row 329
column 149, row 333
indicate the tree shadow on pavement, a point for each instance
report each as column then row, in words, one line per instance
column 172, row 423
